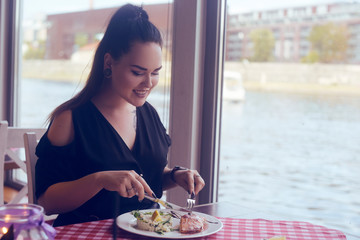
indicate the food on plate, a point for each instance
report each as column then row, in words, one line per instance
column 156, row 216
column 276, row 238
column 192, row 223
column 162, row 222
column 153, row 221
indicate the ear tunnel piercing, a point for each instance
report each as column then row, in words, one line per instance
column 107, row 72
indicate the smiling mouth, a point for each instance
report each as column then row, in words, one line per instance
column 141, row 93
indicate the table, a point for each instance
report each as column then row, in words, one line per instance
column 10, row 165
column 237, row 225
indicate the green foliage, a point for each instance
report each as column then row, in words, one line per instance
column 329, row 42
column 263, row 45
column 35, row 51
column 81, row 39
column 312, row 57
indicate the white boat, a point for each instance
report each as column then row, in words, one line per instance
column 233, row 89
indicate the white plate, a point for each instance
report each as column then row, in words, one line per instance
column 127, row 222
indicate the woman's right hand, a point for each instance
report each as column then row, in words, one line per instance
column 77, row 192
column 126, row 183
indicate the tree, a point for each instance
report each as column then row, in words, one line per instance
column 329, row 43
column 312, row 57
column 34, row 50
column 263, row 45
column 81, row 39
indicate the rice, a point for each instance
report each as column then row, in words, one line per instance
column 160, row 225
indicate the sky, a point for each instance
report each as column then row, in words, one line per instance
column 34, row 7
column 236, row 6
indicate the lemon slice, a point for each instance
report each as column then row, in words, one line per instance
column 156, row 216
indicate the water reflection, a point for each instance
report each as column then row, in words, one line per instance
column 294, row 155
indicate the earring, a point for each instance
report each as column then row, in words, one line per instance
column 107, row 73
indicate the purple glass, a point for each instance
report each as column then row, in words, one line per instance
column 28, row 221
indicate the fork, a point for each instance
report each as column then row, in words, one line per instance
column 178, row 216
column 190, row 202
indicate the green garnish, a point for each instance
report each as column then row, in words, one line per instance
column 165, row 222
column 160, row 232
column 136, row 214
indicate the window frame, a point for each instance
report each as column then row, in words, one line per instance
column 10, row 36
column 195, row 112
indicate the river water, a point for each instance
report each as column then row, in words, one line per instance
column 295, row 155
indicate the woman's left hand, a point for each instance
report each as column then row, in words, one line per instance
column 190, row 180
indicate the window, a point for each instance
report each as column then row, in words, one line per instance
column 290, row 130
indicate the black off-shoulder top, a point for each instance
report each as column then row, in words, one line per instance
column 98, row 147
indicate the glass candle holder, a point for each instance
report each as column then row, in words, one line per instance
column 27, row 221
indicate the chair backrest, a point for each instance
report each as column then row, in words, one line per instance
column 12, row 138
column 31, row 141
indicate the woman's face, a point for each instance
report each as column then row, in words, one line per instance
column 136, row 73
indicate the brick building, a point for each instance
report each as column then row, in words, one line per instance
column 63, row 29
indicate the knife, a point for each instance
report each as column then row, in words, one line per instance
column 163, row 203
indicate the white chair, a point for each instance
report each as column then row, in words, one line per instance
column 12, row 139
column 30, row 141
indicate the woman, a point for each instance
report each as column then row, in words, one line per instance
column 107, row 140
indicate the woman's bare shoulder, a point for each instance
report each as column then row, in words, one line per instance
column 61, row 131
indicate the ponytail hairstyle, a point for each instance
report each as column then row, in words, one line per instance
column 128, row 25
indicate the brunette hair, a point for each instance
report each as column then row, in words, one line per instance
column 128, row 25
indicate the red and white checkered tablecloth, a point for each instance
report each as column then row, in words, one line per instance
column 244, row 229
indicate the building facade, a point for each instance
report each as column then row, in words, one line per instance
column 291, row 28
column 64, row 29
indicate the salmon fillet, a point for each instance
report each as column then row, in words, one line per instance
column 191, row 223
